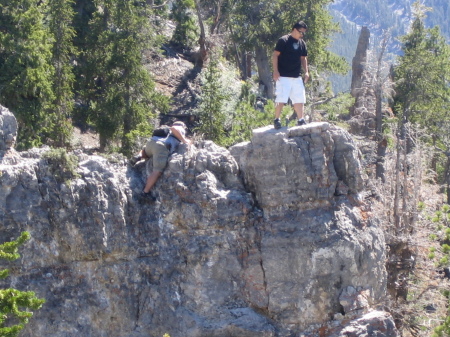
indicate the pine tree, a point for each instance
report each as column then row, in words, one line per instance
column 61, row 16
column 210, row 110
column 422, row 78
column 26, row 72
column 422, row 75
column 186, row 31
column 119, row 89
column 14, row 304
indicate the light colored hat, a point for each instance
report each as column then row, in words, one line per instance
column 179, row 123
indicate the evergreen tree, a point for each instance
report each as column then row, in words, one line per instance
column 186, row 31
column 26, row 72
column 422, row 77
column 14, row 303
column 247, row 117
column 61, row 16
column 212, row 99
column 119, row 90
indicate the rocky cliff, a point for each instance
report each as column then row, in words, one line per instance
column 269, row 238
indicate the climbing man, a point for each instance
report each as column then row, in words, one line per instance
column 160, row 148
column 288, row 60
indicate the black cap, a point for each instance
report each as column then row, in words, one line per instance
column 299, row 25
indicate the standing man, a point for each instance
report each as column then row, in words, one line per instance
column 288, row 60
column 160, row 148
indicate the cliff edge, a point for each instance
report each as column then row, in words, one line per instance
column 269, row 238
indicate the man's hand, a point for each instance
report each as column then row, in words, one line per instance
column 306, row 77
column 276, row 75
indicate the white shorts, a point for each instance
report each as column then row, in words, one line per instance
column 290, row 87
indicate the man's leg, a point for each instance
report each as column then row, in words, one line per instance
column 278, row 109
column 282, row 90
column 299, row 109
column 298, row 97
column 151, row 180
column 160, row 155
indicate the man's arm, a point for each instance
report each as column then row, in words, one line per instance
column 276, row 73
column 177, row 132
column 304, row 61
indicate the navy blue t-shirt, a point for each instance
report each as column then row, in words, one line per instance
column 291, row 50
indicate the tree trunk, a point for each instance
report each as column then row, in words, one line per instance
column 381, row 154
column 103, row 142
column 216, row 21
column 434, row 158
column 264, row 70
column 202, row 39
column 127, row 120
column 447, row 178
column 379, row 137
column 381, row 141
column 248, row 68
column 397, row 182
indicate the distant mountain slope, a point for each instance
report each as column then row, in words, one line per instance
column 379, row 16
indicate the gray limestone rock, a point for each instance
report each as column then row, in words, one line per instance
column 254, row 241
column 372, row 324
column 299, row 168
column 8, row 129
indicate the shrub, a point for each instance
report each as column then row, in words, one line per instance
column 14, row 303
column 62, row 165
column 443, row 261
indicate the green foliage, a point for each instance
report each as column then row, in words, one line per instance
column 446, row 293
column 61, row 15
column 14, row 304
column 26, row 72
column 443, row 261
column 186, row 32
column 261, row 23
column 442, row 255
column 446, row 248
column 447, row 234
column 422, row 80
column 218, row 99
column 212, row 117
column 432, row 253
column 338, row 106
column 62, row 165
column 443, row 329
column 421, row 206
column 10, row 250
column 118, row 90
column 246, row 117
